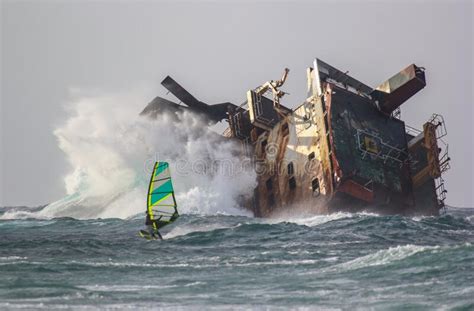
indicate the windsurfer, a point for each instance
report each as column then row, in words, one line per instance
column 151, row 226
column 161, row 208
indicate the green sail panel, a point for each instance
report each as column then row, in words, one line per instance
column 161, row 204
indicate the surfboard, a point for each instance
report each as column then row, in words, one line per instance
column 146, row 235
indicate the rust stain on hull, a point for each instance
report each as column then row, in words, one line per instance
column 343, row 148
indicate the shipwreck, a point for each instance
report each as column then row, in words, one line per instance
column 345, row 148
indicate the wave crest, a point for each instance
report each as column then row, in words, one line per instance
column 111, row 150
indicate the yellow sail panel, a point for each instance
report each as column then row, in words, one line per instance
column 161, row 204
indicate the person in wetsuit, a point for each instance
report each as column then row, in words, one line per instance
column 151, row 228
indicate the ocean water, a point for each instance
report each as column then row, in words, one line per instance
column 339, row 261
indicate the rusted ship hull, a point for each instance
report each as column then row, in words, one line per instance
column 343, row 149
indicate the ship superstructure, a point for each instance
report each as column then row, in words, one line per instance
column 344, row 148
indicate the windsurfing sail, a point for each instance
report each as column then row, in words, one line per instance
column 161, row 204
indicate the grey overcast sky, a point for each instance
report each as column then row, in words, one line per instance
column 218, row 50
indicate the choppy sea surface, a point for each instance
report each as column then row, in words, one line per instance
column 340, row 261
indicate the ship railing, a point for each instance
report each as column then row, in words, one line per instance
column 440, row 191
column 227, row 132
column 444, row 160
column 438, row 121
column 259, row 109
column 236, row 121
column 435, row 119
column 386, row 153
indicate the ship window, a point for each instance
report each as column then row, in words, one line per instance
column 370, row 145
column 292, row 183
column 311, row 156
column 271, row 200
column 269, row 184
column 291, row 169
column 315, row 186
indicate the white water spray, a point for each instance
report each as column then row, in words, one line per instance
column 112, row 150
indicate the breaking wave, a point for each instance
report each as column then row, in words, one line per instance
column 111, row 150
column 314, row 220
column 385, row 256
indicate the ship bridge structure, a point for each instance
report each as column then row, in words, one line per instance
column 344, row 148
